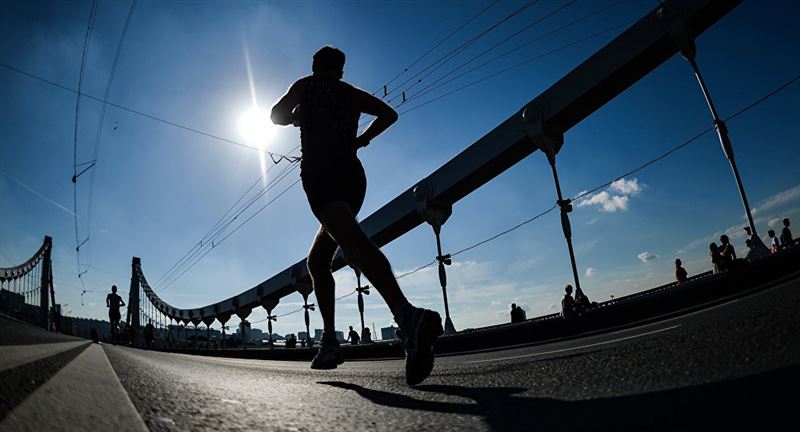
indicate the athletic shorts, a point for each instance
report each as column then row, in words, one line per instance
column 326, row 184
column 113, row 315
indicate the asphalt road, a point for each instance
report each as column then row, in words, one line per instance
column 734, row 365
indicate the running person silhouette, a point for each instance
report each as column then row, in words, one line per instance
column 113, row 303
column 327, row 110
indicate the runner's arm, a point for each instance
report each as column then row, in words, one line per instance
column 283, row 111
column 386, row 116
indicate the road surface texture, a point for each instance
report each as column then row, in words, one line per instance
column 735, row 365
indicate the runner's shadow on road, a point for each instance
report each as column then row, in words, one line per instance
column 755, row 402
column 498, row 405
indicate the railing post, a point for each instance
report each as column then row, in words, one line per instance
column 436, row 213
column 305, row 289
column 269, row 304
column 361, row 291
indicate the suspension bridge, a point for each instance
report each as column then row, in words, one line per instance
column 716, row 350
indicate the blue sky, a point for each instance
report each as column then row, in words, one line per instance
column 158, row 188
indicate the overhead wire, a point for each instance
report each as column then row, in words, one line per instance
column 96, row 153
column 520, row 64
column 427, row 89
column 210, row 240
column 214, row 245
column 224, row 221
column 445, row 58
column 86, row 42
column 276, row 156
column 497, row 44
column 437, row 45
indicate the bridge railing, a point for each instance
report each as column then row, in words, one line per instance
column 26, row 290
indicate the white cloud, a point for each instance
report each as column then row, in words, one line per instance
column 774, row 222
column 607, row 202
column 779, row 199
column 647, row 256
column 590, row 272
column 626, row 187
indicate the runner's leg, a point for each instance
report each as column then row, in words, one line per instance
column 339, row 220
column 319, row 267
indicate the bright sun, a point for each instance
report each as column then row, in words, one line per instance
column 256, row 128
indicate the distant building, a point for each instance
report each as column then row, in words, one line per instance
column 243, row 332
column 256, row 335
column 318, row 335
column 389, row 333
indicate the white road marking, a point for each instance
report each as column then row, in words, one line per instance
column 574, row 348
column 84, row 395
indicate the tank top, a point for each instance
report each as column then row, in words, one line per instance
column 328, row 121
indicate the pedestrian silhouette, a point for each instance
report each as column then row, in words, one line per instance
column 113, row 303
column 786, row 234
column 149, row 334
column 717, row 263
column 328, row 110
column 353, row 337
column 680, row 272
column 774, row 244
column 568, row 304
column 366, row 336
column 727, row 252
column 517, row 314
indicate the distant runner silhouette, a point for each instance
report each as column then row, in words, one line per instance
column 113, row 303
column 327, row 110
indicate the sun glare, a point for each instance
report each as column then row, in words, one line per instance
column 255, row 127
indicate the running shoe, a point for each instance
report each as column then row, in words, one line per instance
column 418, row 339
column 328, row 357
